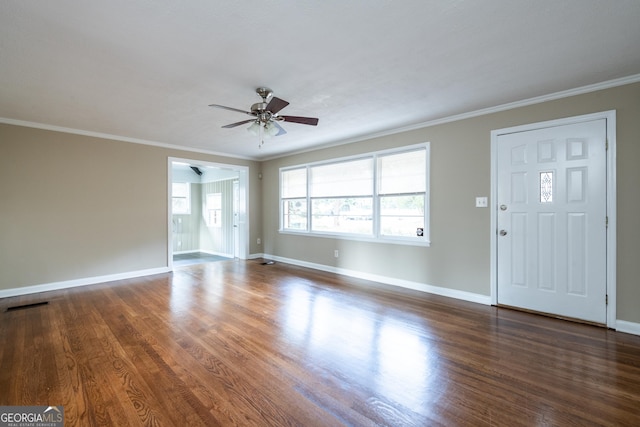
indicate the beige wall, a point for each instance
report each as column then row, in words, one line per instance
column 76, row 207
column 460, row 170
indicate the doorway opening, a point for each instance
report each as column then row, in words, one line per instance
column 207, row 212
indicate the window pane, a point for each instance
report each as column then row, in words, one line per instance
column 401, row 215
column 180, row 189
column 214, row 210
column 214, row 201
column 343, row 215
column 546, row 187
column 294, row 214
column 402, row 173
column 294, row 183
column 352, row 178
column 180, row 198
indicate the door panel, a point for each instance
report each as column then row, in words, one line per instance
column 552, row 220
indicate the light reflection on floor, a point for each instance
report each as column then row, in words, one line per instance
column 391, row 356
column 184, row 285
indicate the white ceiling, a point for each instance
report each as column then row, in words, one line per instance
column 147, row 70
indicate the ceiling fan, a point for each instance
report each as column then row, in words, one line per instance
column 265, row 117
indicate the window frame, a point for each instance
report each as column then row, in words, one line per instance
column 377, row 235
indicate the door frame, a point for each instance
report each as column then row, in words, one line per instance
column 243, row 205
column 236, row 218
column 610, row 117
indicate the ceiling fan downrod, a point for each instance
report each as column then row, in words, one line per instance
column 264, row 93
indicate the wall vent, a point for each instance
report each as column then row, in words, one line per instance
column 25, row 306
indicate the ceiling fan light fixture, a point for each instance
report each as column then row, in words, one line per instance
column 270, row 129
column 254, row 128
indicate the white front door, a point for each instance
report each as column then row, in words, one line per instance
column 551, row 220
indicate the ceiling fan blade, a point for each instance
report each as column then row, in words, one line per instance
column 232, row 125
column 230, row 109
column 302, row 120
column 281, row 131
column 276, row 104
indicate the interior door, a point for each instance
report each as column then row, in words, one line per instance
column 551, row 220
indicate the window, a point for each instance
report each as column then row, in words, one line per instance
column 213, row 210
column 181, row 198
column 401, row 191
column 294, row 199
column 378, row 196
column 342, row 197
column 546, row 187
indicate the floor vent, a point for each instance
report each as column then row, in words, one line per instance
column 22, row 307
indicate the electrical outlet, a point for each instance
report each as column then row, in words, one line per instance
column 259, row 240
column 481, row 202
column 336, row 253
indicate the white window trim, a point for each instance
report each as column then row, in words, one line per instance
column 402, row 240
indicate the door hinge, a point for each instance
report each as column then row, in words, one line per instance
column 606, row 299
column 606, row 145
column 606, row 221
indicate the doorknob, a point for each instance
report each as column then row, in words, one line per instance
column 503, row 207
column 503, row 232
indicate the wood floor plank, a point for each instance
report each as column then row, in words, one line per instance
column 12, row 371
column 90, row 390
column 241, row 343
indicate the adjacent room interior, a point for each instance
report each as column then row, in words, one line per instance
column 205, row 213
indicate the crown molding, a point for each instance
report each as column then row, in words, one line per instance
column 44, row 126
column 484, row 111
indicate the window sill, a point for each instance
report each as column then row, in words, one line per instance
column 422, row 241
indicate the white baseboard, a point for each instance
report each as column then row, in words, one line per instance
column 198, row 251
column 255, row 256
column 222, row 254
column 628, row 327
column 54, row 286
column 423, row 287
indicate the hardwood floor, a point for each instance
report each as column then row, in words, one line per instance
column 241, row 343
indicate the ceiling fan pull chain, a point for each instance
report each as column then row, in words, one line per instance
column 261, row 136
